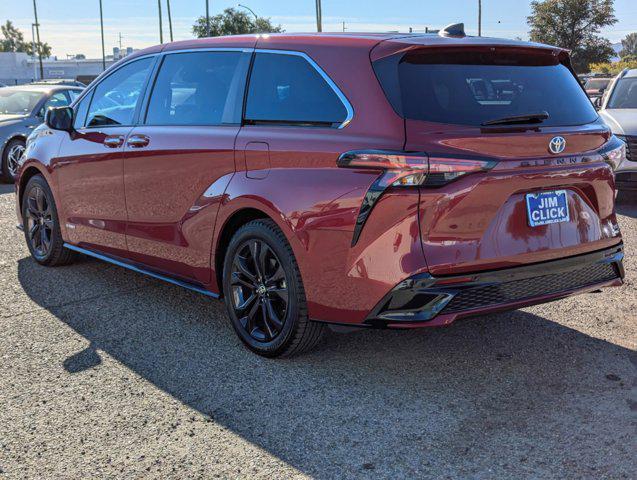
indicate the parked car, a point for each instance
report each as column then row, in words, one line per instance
column 360, row 180
column 618, row 108
column 69, row 82
column 22, row 109
column 596, row 86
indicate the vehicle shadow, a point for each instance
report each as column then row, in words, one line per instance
column 627, row 206
column 504, row 395
column 6, row 188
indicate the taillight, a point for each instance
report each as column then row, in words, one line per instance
column 614, row 152
column 405, row 169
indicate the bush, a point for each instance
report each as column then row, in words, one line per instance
column 612, row 68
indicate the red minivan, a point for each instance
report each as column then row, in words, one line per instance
column 373, row 180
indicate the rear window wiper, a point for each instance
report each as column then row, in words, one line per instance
column 515, row 119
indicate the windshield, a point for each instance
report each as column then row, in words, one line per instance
column 624, row 94
column 467, row 87
column 18, row 102
column 596, row 84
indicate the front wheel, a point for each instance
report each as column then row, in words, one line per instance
column 10, row 159
column 41, row 224
column 264, row 292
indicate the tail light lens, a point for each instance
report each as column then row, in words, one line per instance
column 405, row 169
column 614, row 152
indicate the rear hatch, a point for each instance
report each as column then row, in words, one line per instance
column 546, row 192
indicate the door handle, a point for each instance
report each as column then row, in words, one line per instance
column 137, row 141
column 113, row 141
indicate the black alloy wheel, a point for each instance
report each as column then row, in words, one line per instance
column 38, row 221
column 259, row 290
column 41, row 228
column 264, row 294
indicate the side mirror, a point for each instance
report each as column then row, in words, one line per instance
column 59, row 118
column 597, row 103
column 601, row 90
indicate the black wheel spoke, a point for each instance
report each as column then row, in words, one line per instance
column 236, row 279
column 242, row 265
column 48, row 223
column 247, row 302
column 277, row 276
column 33, row 230
column 272, row 315
column 266, row 320
column 255, row 251
column 282, row 293
column 39, row 199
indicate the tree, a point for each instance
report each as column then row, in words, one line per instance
column 629, row 46
column 613, row 68
column 14, row 42
column 234, row 22
column 574, row 24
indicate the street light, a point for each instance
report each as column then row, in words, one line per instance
column 102, row 31
column 319, row 17
column 35, row 68
column 207, row 19
column 161, row 32
column 250, row 10
column 479, row 18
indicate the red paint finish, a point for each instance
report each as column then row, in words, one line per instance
column 165, row 202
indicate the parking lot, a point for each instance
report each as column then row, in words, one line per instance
column 106, row 372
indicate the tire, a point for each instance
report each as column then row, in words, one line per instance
column 41, row 223
column 11, row 154
column 275, row 286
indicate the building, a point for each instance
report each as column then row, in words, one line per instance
column 17, row 67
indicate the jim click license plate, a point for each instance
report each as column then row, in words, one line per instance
column 547, row 207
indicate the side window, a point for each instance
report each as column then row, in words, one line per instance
column 198, row 88
column 288, row 89
column 115, row 98
column 58, row 99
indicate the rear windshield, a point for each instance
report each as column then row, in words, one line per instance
column 596, row 84
column 471, row 88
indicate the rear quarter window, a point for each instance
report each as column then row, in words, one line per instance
column 287, row 89
column 470, row 88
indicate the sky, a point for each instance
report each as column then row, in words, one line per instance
column 72, row 26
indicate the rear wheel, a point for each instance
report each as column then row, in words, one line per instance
column 41, row 224
column 10, row 158
column 264, row 292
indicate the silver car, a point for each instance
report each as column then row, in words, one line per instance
column 22, row 109
column 618, row 108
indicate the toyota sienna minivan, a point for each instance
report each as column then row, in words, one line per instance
column 372, row 180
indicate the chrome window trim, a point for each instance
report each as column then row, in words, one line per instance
column 341, row 96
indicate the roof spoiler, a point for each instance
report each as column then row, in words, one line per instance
column 453, row 30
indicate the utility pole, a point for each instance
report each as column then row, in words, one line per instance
column 207, row 19
column 102, row 32
column 170, row 20
column 161, row 32
column 343, row 26
column 37, row 32
column 479, row 18
column 319, row 17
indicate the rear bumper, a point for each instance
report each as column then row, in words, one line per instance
column 424, row 300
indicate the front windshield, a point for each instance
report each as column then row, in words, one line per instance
column 624, row 94
column 18, row 102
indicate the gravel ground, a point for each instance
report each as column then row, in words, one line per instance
column 106, row 373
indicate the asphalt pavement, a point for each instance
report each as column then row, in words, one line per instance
column 106, row 373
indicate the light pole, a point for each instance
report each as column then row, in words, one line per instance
column 250, row 10
column 319, row 17
column 37, row 32
column 207, row 19
column 170, row 20
column 161, row 32
column 479, row 18
column 102, row 32
column 35, row 68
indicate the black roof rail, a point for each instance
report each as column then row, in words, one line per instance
column 453, row 30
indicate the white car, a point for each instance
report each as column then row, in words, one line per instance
column 618, row 108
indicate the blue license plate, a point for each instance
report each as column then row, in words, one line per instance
column 547, row 207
